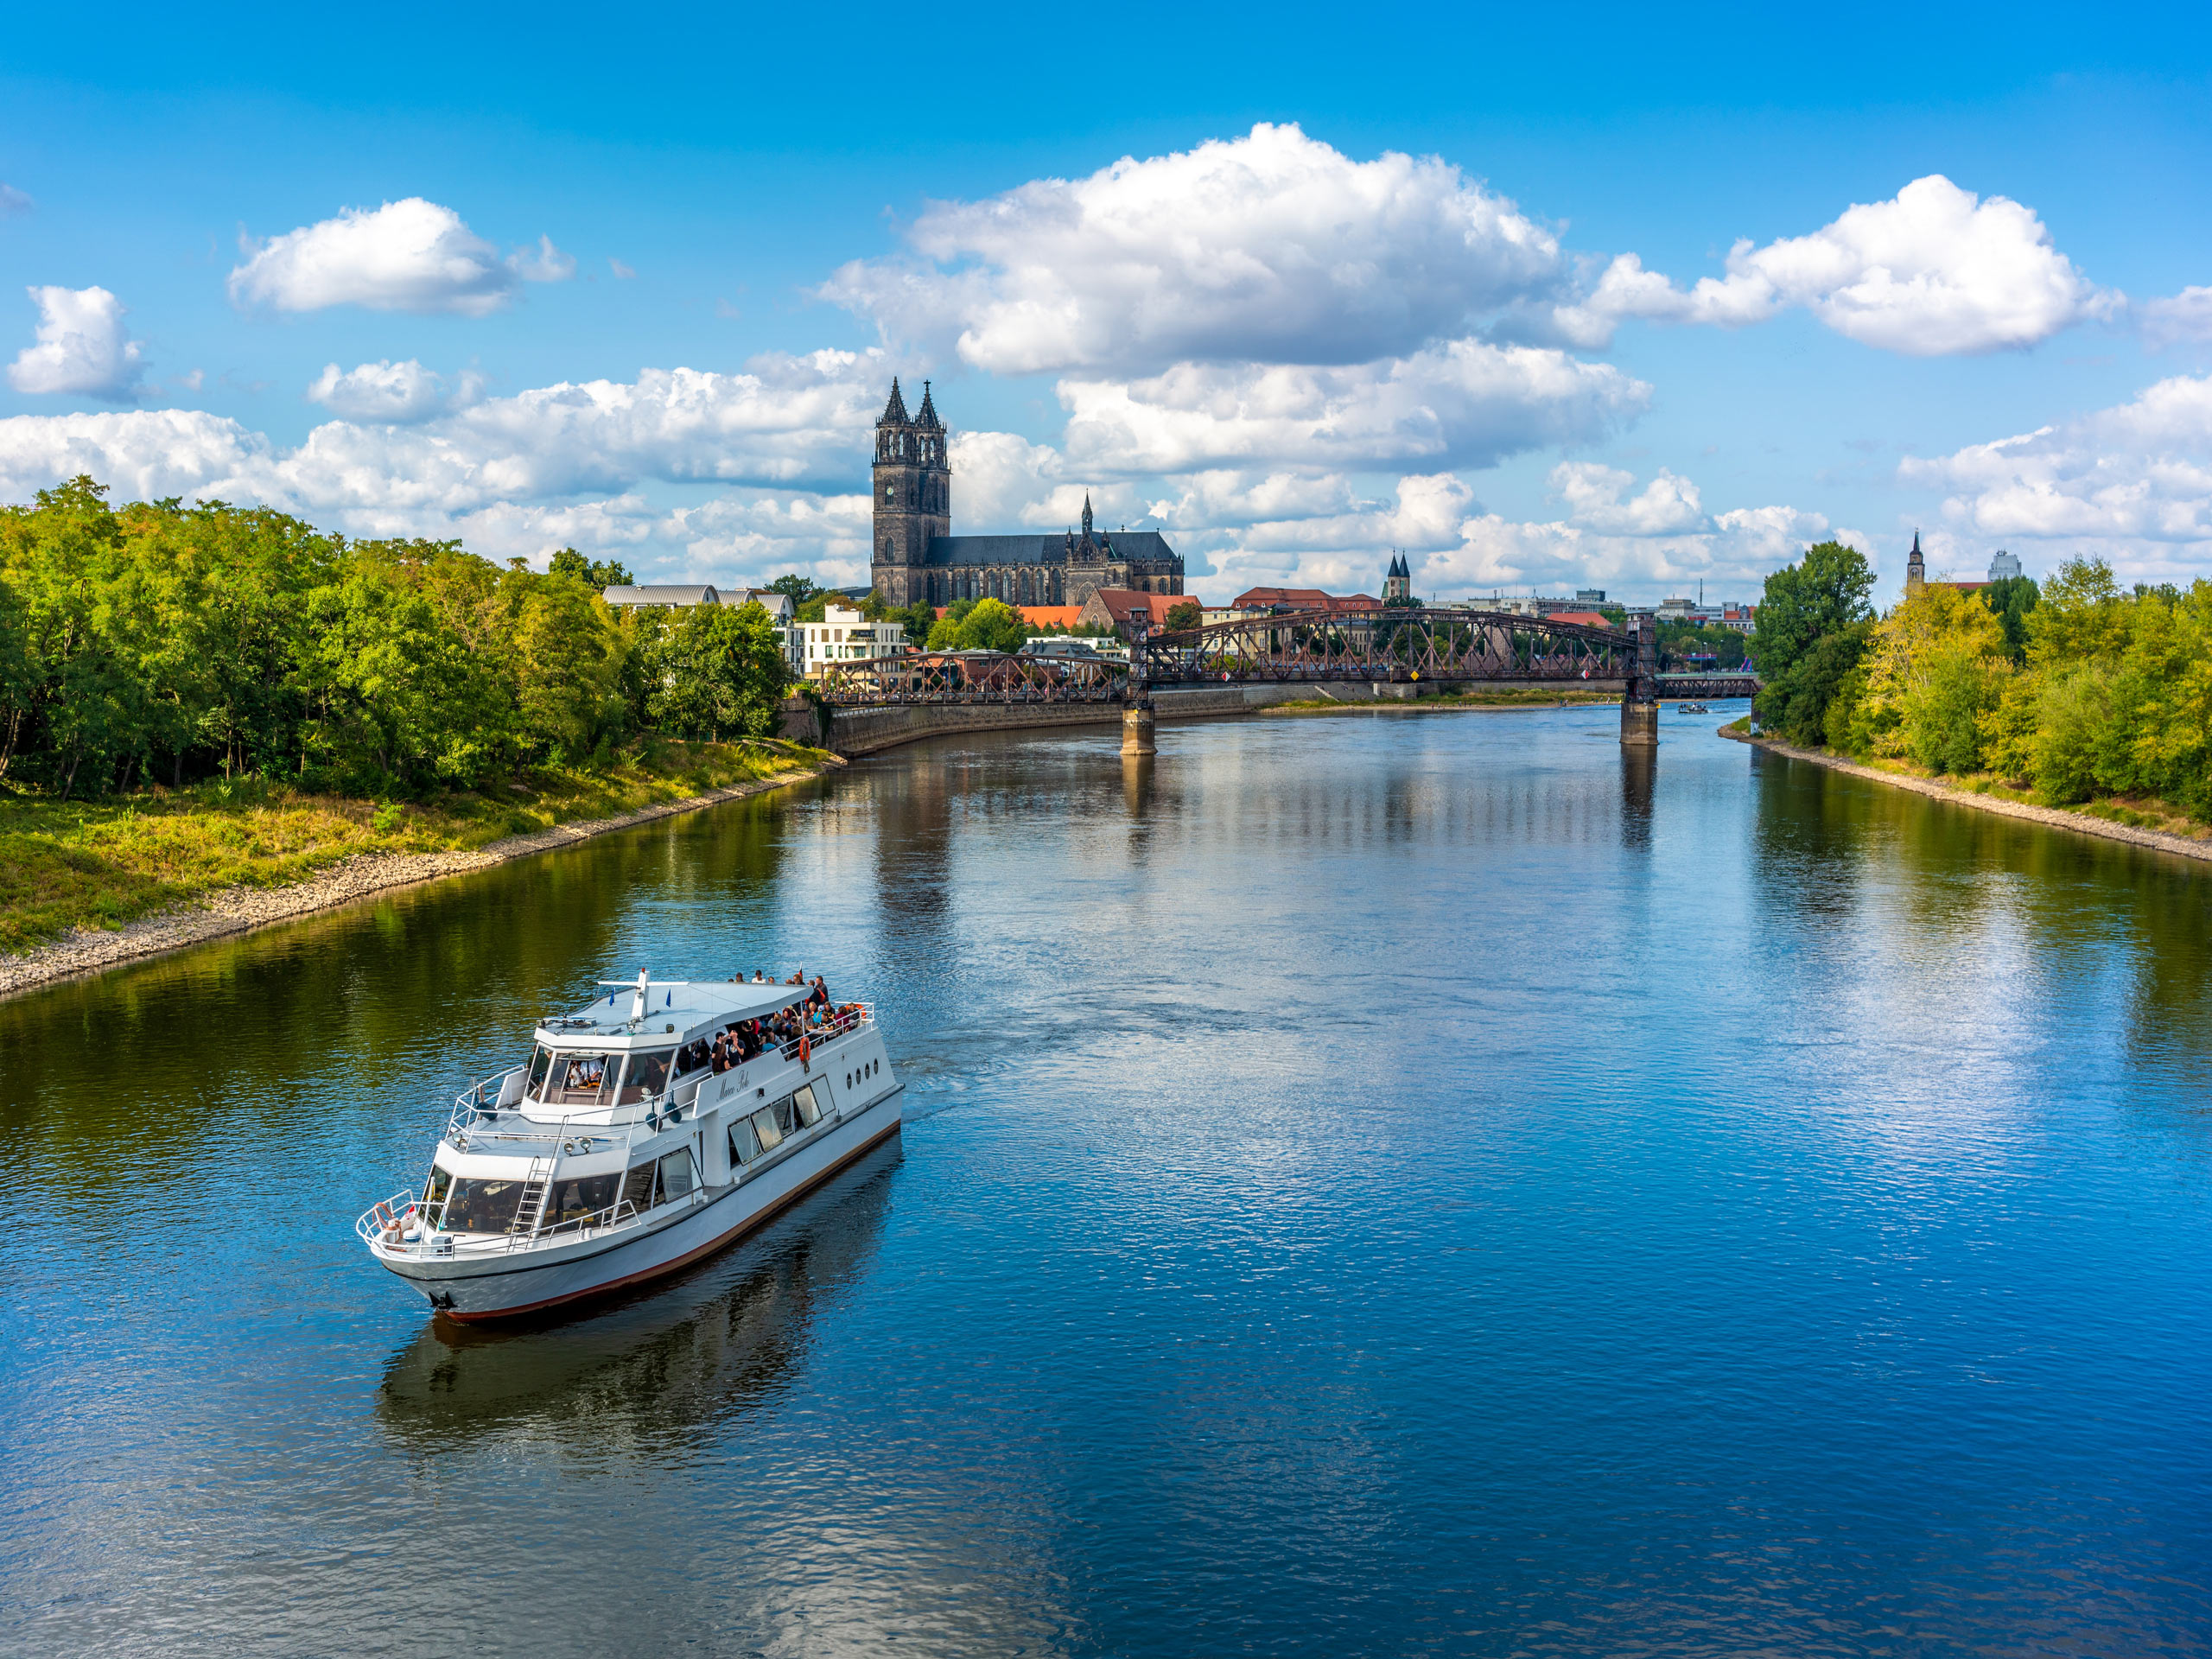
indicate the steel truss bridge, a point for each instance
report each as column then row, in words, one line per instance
column 1446, row 648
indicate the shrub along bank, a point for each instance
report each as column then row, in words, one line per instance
column 199, row 697
column 2071, row 692
column 160, row 643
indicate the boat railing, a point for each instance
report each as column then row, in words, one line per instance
column 403, row 1212
column 854, row 1016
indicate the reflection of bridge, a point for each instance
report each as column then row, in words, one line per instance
column 1445, row 648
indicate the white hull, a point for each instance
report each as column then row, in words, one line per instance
column 469, row 1286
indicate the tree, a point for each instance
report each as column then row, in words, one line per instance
column 569, row 669
column 1813, row 625
column 721, row 670
column 599, row 575
column 797, row 588
column 1185, row 613
column 1933, row 674
column 2010, row 599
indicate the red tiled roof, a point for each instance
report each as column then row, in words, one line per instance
column 1587, row 618
column 1302, row 599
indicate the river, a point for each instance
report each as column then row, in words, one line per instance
column 1383, row 1183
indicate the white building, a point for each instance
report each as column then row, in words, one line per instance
column 846, row 636
column 2005, row 564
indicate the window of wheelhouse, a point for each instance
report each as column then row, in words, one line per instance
column 441, row 1182
column 572, row 1079
column 647, row 1075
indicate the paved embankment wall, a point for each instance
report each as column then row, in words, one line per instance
column 866, row 731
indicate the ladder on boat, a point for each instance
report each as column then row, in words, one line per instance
column 536, row 1185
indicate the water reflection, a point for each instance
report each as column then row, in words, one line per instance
column 639, row 1375
column 1639, row 772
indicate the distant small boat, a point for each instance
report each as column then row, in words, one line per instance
column 1692, row 708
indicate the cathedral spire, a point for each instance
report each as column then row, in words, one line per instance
column 1915, row 571
column 926, row 419
column 894, row 412
column 1086, row 515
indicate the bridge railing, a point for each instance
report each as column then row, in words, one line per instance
column 1396, row 643
column 958, row 677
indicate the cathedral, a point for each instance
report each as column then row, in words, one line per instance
column 918, row 558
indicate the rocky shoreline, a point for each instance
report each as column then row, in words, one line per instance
column 2054, row 818
column 240, row 910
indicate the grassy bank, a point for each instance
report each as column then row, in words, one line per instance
column 101, row 863
column 1502, row 698
column 2144, row 812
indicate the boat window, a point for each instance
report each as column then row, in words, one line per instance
column 574, row 1200
column 435, row 1192
column 579, row 1079
column 765, row 1126
column 486, row 1205
column 744, row 1144
column 660, row 1181
column 803, row 1103
column 541, row 1057
column 675, row 1175
column 647, row 1077
column 691, row 1057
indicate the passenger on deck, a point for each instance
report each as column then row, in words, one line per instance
column 821, row 997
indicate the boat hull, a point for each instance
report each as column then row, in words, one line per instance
column 506, row 1286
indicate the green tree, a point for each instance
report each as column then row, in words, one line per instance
column 1812, row 626
column 721, row 670
column 599, row 575
column 2010, row 599
column 569, row 669
column 1185, row 613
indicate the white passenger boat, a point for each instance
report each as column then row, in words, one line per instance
column 619, row 1152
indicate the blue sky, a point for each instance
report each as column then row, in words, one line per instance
column 1416, row 278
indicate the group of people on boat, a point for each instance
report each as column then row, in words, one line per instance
column 803, row 1023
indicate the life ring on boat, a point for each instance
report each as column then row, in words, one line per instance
column 805, row 1052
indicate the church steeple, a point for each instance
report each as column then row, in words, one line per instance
column 913, row 497
column 1086, row 515
column 1916, row 569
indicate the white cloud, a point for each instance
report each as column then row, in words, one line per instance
column 564, row 462
column 388, row 393
column 83, row 348
column 1668, row 506
column 1459, row 403
column 2185, row 319
column 2133, row 482
column 1934, row 271
column 1273, row 247
column 543, row 263
column 405, row 256
column 622, row 272
column 13, row 201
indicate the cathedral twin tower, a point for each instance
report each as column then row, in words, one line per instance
column 917, row 558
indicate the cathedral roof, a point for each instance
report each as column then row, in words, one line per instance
column 926, row 419
column 894, row 412
column 1140, row 545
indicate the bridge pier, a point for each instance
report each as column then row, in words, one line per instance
column 1137, row 730
column 1640, row 699
column 1639, row 722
